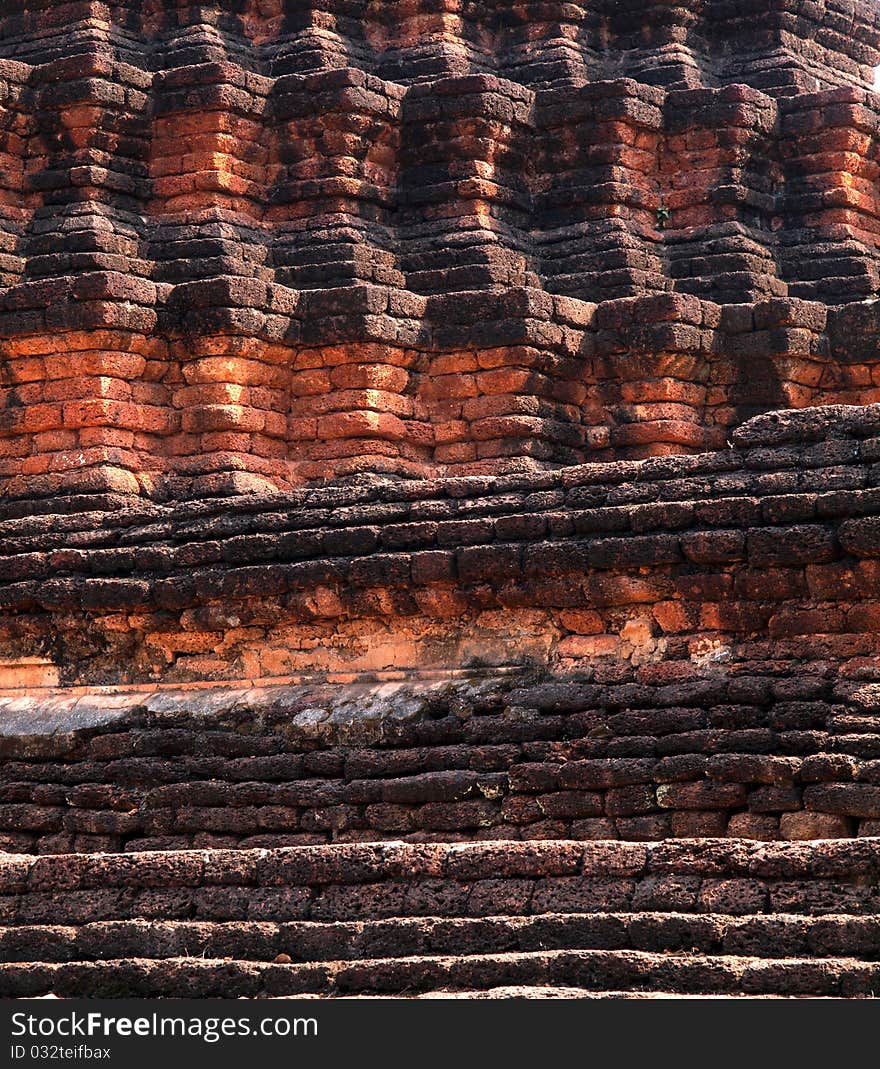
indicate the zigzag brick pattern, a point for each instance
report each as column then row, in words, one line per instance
column 255, row 245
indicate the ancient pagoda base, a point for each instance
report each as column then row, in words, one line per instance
column 439, row 499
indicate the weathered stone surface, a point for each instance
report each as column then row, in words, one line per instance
column 729, row 918
column 523, row 755
column 438, row 442
column 239, row 254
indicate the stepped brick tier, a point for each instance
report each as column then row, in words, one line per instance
column 721, row 917
column 439, row 497
column 254, row 244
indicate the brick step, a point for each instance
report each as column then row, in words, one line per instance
column 330, row 887
column 353, row 882
column 759, row 936
column 330, row 883
column 598, row 970
column 721, row 916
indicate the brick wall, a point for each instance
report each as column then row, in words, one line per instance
column 771, row 540
column 758, row 749
column 682, row 645
column 238, row 253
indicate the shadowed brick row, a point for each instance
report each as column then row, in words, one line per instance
column 765, row 752
column 422, row 40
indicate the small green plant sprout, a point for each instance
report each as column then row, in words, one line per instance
column 662, row 217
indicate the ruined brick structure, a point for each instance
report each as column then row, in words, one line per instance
column 439, row 497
